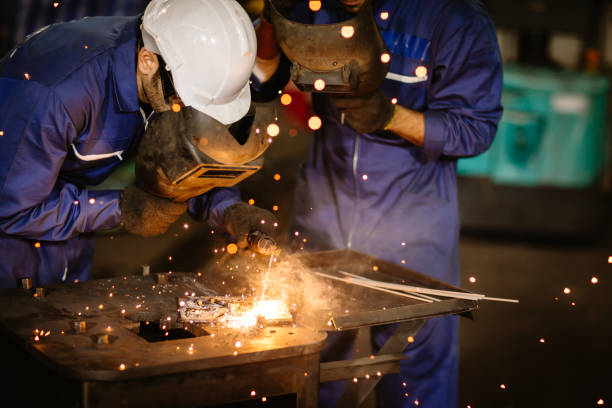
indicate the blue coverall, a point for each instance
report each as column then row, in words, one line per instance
column 405, row 210
column 69, row 114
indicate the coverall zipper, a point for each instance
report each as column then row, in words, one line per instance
column 349, row 241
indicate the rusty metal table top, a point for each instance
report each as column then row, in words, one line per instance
column 113, row 307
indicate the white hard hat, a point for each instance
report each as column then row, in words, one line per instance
column 210, row 48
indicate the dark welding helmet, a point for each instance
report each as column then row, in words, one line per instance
column 184, row 154
column 350, row 57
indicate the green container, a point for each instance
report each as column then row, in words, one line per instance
column 552, row 132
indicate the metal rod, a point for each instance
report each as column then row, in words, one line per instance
column 355, row 282
column 437, row 292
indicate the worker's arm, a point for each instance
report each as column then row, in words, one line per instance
column 209, row 207
column 36, row 135
column 463, row 104
column 271, row 70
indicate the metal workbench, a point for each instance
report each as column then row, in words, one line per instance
column 78, row 344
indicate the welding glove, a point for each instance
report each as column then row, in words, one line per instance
column 365, row 113
column 243, row 220
column 145, row 214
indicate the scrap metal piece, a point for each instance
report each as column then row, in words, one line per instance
column 200, row 309
column 25, row 283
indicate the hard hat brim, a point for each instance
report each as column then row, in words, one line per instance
column 229, row 112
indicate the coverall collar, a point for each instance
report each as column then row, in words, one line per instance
column 124, row 70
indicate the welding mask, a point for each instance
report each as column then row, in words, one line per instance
column 350, row 57
column 184, row 154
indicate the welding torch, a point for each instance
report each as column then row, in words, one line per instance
column 262, row 244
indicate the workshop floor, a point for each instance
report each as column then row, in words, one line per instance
column 544, row 352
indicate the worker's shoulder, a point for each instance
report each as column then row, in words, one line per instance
column 59, row 51
column 444, row 12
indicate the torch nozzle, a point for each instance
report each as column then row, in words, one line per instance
column 262, row 244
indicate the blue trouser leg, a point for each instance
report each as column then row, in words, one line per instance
column 340, row 346
column 429, row 374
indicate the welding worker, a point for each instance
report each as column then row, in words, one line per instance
column 381, row 174
column 75, row 99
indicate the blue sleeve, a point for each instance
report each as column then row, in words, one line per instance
column 209, row 207
column 463, row 103
column 35, row 202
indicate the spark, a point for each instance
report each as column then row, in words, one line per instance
column 306, row 374
column 121, row 366
column 600, row 401
column 263, row 399
column 100, row 307
column 567, row 291
column 55, row 4
column 314, row 5
column 296, row 233
column 319, row 84
column 276, row 224
column 314, row 123
column 1, row 132
column 384, row 15
column 286, row 99
column 375, row 268
column 403, row 261
column 472, row 279
column 385, row 57
column 610, row 259
column 232, row 248
column 403, row 244
column 26, row 75
column 542, row 340
column 186, row 226
column 355, row 379
column 367, row 376
column 275, row 208
column 85, row 46
column 502, row 386
column 273, row 130
column 251, row 201
column 403, row 384
column 277, row 177
column 253, row 393
column 347, row 31
column 176, row 107
column 37, row 245
column 420, row 71
column 410, row 339
column 92, row 201
column 364, row 177
column 416, row 402
column 394, row 100
column 378, row 373
column 594, row 280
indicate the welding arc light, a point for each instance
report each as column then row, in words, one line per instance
column 347, row 31
column 285, row 99
column 314, row 123
column 273, row 129
column 314, row 5
column 319, row 84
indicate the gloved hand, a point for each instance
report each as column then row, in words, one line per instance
column 366, row 113
column 145, row 214
column 243, row 220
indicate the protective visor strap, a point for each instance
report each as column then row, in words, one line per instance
column 166, row 79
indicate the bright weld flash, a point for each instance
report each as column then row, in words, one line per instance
column 420, row 71
column 273, row 130
column 314, row 5
column 285, row 99
column 347, row 31
column 314, row 123
column 319, row 84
